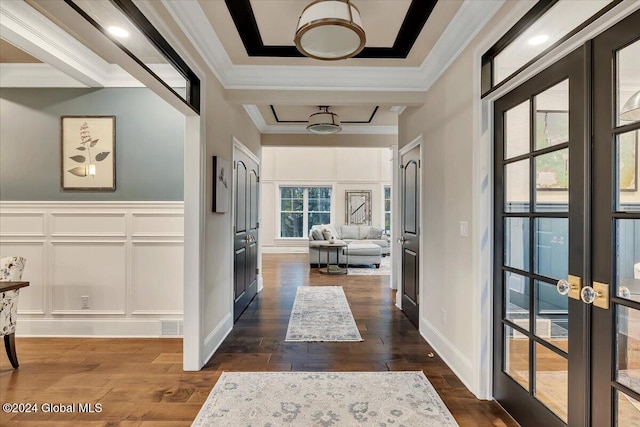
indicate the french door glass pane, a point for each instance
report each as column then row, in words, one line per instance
column 517, row 131
column 627, row 171
column 628, row 84
column 517, row 299
column 628, row 259
column 516, row 353
column 552, row 316
column 517, row 186
column 552, row 181
column 628, row 343
column 627, row 410
column 552, row 380
column 516, row 243
column 551, row 247
column 552, row 116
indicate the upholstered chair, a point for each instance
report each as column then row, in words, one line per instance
column 10, row 271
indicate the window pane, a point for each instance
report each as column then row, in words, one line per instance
column 317, row 218
column 291, row 225
column 552, row 380
column 387, row 221
column 628, row 86
column 286, row 192
column 387, row 192
column 298, row 205
column 516, row 296
column 551, row 256
column 314, row 205
column 516, row 131
column 627, row 410
column 517, row 186
column 628, row 259
column 557, row 22
column 552, row 116
column 552, row 181
column 516, row 243
column 552, row 315
column 516, row 354
column 627, row 171
column 628, row 342
column 387, row 205
column 297, row 193
column 325, row 205
column 285, row 205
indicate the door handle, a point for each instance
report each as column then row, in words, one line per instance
column 570, row 287
column 401, row 240
column 597, row 295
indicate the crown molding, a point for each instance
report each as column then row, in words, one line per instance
column 47, row 76
column 256, row 117
column 346, row 129
column 467, row 22
column 29, row 30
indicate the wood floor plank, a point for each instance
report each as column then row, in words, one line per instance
column 140, row 382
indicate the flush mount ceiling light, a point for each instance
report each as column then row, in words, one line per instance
column 324, row 122
column 630, row 112
column 118, row 32
column 330, row 30
column 539, row 39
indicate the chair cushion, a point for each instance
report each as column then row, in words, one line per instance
column 374, row 233
column 363, row 231
column 363, row 249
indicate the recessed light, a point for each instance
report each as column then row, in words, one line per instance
column 118, row 32
column 539, row 39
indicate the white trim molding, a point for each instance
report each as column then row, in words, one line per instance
column 125, row 258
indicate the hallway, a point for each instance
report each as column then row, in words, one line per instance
column 142, row 380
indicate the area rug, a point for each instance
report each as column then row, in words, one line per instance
column 384, row 270
column 321, row 313
column 324, row 399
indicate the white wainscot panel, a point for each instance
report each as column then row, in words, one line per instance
column 21, row 224
column 88, row 224
column 94, row 269
column 30, row 300
column 157, row 283
column 158, row 224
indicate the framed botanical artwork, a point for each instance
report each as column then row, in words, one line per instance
column 221, row 185
column 88, row 152
column 552, row 169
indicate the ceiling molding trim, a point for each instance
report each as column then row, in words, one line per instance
column 47, row 76
column 467, row 22
column 346, row 130
column 28, row 29
column 472, row 16
column 399, row 109
column 35, row 76
column 194, row 23
column 256, row 117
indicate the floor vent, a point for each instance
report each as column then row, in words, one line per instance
column 171, row 328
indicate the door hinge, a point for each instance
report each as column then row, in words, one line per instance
column 235, row 164
column 234, row 229
column 257, row 225
column 257, row 271
column 401, row 166
column 257, row 179
column 418, row 164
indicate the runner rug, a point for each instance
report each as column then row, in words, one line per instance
column 321, row 313
column 324, row 399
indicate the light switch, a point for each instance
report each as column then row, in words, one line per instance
column 464, row 229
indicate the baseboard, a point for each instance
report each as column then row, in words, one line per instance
column 91, row 328
column 285, row 250
column 459, row 364
column 216, row 337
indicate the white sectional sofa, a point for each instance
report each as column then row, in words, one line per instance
column 366, row 244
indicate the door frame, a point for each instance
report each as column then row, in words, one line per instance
column 237, row 145
column 397, row 247
column 481, row 231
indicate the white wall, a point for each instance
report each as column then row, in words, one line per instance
column 340, row 167
column 125, row 256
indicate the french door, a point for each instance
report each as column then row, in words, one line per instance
column 567, row 239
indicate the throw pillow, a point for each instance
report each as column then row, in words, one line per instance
column 327, row 235
column 317, row 234
column 375, row 233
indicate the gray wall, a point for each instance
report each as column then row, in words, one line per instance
column 149, row 143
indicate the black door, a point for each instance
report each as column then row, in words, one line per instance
column 540, row 355
column 409, row 237
column 616, row 226
column 246, row 185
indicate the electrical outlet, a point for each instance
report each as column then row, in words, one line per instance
column 85, row 301
column 464, row 229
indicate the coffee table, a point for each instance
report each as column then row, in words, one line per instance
column 332, row 268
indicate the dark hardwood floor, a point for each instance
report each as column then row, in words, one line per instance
column 140, row 382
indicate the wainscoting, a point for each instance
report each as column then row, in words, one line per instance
column 97, row 268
